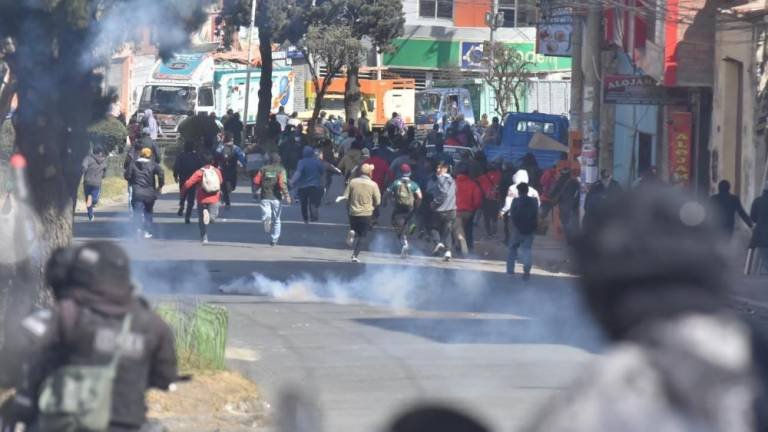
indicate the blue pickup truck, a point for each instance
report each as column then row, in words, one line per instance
column 517, row 132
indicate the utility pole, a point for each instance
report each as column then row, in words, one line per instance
column 592, row 67
column 248, row 71
column 492, row 19
column 577, row 75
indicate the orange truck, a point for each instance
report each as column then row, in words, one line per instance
column 380, row 98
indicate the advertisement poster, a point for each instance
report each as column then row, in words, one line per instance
column 554, row 35
column 680, row 149
column 179, row 67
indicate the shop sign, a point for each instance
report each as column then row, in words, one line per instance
column 640, row 90
column 554, row 35
column 680, row 131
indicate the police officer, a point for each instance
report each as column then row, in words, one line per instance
column 93, row 298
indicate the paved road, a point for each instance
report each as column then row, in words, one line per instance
column 367, row 339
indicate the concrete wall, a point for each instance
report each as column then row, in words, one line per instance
column 734, row 58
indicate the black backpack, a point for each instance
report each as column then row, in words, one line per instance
column 525, row 215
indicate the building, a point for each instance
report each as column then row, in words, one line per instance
column 739, row 144
column 441, row 37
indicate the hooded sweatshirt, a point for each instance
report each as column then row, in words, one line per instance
column 521, row 176
column 141, row 175
column 154, row 128
column 94, row 169
column 443, row 191
column 469, row 196
column 309, row 172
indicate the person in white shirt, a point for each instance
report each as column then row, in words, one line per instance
column 521, row 176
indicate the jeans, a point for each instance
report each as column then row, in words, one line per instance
column 524, row 242
column 189, row 199
column 401, row 221
column 226, row 190
column 94, row 192
column 213, row 211
column 442, row 225
column 270, row 211
column 491, row 216
column 143, row 214
column 310, row 198
column 130, row 199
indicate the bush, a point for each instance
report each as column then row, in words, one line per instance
column 109, row 132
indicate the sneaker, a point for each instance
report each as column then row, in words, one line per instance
column 438, row 249
column 180, row 212
column 355, row 259
column 273, row 243
column 147, row 235
column 404, row 251
column 526, row 276
column 267, row 226
column 206, row 217
column 91, row 217
column 447, row 256
column 205, row 239
column 350, row 238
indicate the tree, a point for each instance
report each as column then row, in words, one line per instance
column 380, row 22
column 271, row 20
column 506, row 74
column 333, row 46
column 57, row 47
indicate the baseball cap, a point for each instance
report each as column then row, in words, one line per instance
column 405, row 169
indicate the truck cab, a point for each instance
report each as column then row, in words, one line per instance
column 177, row 89
column 432, row 105
column 519, row 129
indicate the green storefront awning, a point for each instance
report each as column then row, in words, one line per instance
column 442, row 54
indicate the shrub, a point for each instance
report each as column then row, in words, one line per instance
column 109, row 132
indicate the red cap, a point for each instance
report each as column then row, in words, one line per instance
column 18, row 161
column 405, row 169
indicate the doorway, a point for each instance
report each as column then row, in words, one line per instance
column 644, row 152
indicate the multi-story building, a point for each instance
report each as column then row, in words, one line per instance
column 440, row 36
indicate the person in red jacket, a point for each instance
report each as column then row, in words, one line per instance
column 382, row 176
column 207, row 201
column 469, row 199
column 489, row 184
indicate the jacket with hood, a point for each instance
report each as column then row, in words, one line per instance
column 151, row 124
column 94, row 169
column 521, row 176
column 186, row 165
column 310, row 170
column 443, row 192
column 489, row 183
column 202, row 196
column 351, row 159
column 363, row 196
column 81, row 328
column 146, row 177
column 469, row 196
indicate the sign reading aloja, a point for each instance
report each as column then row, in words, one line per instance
column 640, row 90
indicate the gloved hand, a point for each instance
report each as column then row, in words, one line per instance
column 340, row 199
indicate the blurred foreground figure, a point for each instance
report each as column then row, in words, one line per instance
column 758, row 260
column 435, row 419
column 92, row 355
column 656, row 281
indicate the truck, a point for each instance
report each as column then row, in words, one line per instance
column 544, row 135
column 433, row 104
column 380, row 98
column 189, row 83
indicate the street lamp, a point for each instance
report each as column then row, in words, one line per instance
column 248, row 70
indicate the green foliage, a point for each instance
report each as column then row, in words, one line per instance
column 109, row 132
column 201, row 333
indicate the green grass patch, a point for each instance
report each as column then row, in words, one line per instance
column 201, row 334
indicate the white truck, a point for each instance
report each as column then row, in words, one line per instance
column 191, row 83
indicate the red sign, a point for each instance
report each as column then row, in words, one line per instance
column 680, row 150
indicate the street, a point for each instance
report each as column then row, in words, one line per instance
column 366, row 339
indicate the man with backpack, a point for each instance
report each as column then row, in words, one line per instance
column 272, row 180
column 186, row 164
column 524, row 215
column 228, row 156
column 210, row 180
column 147, row 180
column 94, row 353
column 407, row 195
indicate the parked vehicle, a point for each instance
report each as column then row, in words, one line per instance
column 519, row 129
column 380, row 98
column 435, row 103
column 190, row 83
column 456, row 152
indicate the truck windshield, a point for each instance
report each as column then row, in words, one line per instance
column 168, row 99
column 427, row 103
column 536, row 126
